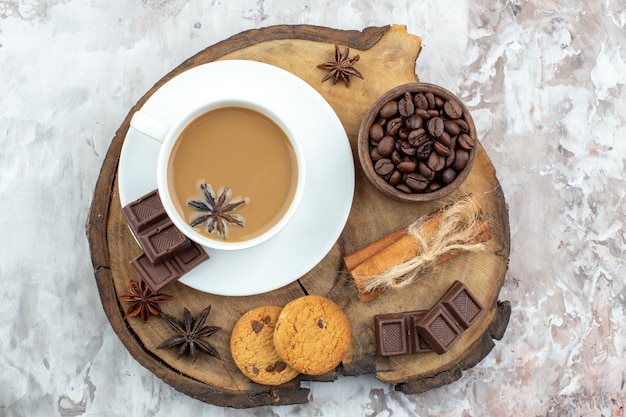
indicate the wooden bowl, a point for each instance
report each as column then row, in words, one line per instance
column 442, row 182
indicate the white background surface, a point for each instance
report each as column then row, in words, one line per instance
column 546, row 84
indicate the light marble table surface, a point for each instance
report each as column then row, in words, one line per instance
column 546, row 83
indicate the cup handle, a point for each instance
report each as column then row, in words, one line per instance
column 150, row 127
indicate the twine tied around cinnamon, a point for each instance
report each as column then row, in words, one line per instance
column 457, row 228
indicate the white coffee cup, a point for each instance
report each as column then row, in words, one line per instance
column 168, row 135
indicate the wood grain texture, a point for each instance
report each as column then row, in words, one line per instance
column 388, row 56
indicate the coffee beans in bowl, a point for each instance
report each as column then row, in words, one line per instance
column 417, row 142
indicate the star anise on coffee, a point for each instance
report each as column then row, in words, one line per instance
column 143, row 301
column 219, row 209
column 342, row 67
column 190, row 334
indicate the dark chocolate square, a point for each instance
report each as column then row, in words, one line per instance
column 439, row 329
column 163, row 241
column 391, row 334
column 418, row 343
column 462, row 305
column 190, row 257
column 156, row 276
column 167, row 253
column 144, row 212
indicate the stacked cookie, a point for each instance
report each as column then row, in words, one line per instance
column 272, row 345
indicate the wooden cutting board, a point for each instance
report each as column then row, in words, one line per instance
column 387, row 59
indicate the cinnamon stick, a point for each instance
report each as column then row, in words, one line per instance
column 400, row 246
column 355, row 259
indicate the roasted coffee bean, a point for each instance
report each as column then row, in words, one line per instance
column 393, row 126
column 420, row 101
column 389, row 109
column 417, row 137
column 407, row 166
column 436, row 162
column 453, row 141
column 445, row 139
column 384, row 167
column 450, row 158
column 433, row 186
column 448, row 175
column 462, row 125
column 414, row 122
column 402, row 187
column 375, row 155
column 423, row 169
column 465, row 141
column 441, row 149
column 439, row 102
column 406, row 106
column 407, row 149
column 395, row 177
column 376, row 133
column 424, row 150
column 396, row 157
column 435, row 126
column 461, row 159
column 386, row 146
column 416, row 182
column 430, row 97
column 433, row 113
column 451, row 127
column 423, row 113
column 403, row 133
column 453, row 109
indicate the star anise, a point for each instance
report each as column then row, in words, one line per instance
column 219, row 209
column 143, row 301
column 342, row 67
column 190, row 334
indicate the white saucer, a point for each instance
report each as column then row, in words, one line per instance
column 328, row 193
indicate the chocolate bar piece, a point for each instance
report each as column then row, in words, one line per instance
column 434, row 330
column 462, row 305
column 455, row 312
column 167, row 253
column 153, row 229
column 144, row 212
column 391, row 334
column 190, row 257
column 155, row 276
column 439, row 329
column 171, row 269
column 418, row 343
column 163, row 241
column 395, row 334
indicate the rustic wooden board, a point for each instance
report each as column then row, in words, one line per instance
column 388, row 56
